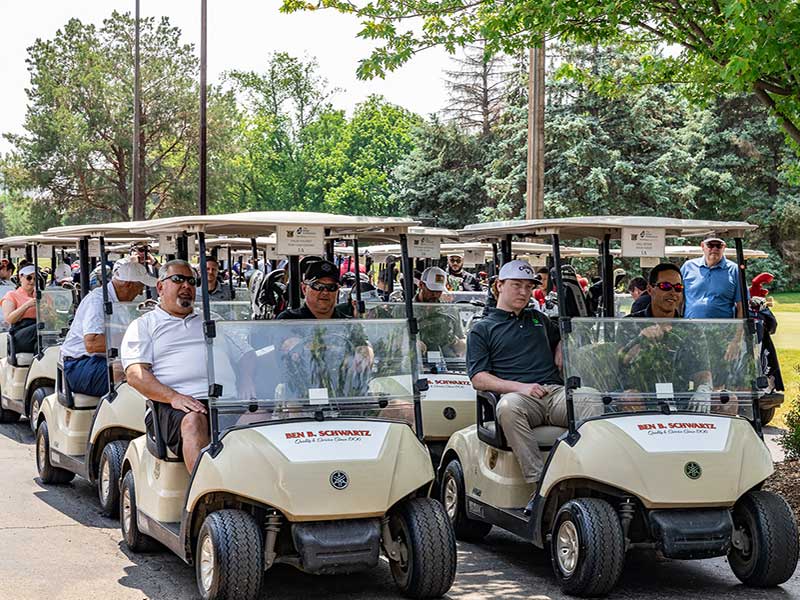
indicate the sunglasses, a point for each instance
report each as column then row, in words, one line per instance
column 141, row 249
column 714, row 245
column 666, row 286
column 455, row 259
column 28, row 277
column 179, row 279
column 324, row 287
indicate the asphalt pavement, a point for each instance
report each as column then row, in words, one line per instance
column 54, row 544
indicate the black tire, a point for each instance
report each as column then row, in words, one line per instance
column 453, row 498
column 37, row 397
column 47, row 472
column 767, row 414
column 429, row 567
column 229, row 556
column 592, row 527
column 108, row 475
column 768, row 524
column 134, row 539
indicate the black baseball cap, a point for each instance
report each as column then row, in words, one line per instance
column 321, row 269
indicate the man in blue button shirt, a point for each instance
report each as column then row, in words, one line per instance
column 712, row 288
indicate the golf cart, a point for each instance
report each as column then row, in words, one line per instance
column 663, row 448
column 324, row 431
column 78, row 434
column 26, row 379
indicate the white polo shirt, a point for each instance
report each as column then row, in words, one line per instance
column 88, row 320
column 177, row 352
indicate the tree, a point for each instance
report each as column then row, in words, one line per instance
column 478, row 88
column 725, row 45
column 76, row 152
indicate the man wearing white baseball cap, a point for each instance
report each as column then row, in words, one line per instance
column 431, row 285
column 516, row 351
column 84, row 348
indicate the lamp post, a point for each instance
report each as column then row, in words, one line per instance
column 203, row 207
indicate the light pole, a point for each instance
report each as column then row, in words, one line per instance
column 203, row 101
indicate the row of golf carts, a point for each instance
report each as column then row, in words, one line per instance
column 365, row 437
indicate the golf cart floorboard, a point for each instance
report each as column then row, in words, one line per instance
column 76, row 464
column 514, row 520
column 166, row 533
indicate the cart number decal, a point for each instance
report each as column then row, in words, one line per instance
column 334, row 441
column 678, row 433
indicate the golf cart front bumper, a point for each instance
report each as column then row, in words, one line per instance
column 692, row 533
column 328, row 548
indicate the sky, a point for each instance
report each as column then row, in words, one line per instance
column 241, row 35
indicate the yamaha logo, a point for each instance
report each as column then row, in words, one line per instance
column 692, row 470
column 339, row 480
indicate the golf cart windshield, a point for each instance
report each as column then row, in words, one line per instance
column 115, row 325
column 641, row 365
column 227, row 310
column 280, row 370
column 442, row 337
column 54, row 311
column 464, row 297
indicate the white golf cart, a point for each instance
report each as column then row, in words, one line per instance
column 307, row 469
column 663, row 449
column 27, row 378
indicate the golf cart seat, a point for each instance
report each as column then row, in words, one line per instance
column 156, row 444
column 66, row 397
column 575, row 304
column 17, row 359
column 490, row 431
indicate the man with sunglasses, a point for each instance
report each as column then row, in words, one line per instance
column 163, row 356
column 712, row 284
column 84, row 349
column 459, row 279
column 321, row 291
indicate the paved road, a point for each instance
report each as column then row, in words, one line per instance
column 54, row 544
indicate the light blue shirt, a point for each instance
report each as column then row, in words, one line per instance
column 710, row 292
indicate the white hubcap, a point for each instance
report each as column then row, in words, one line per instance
column 126, row 510
column 451, row 498
column 206, row 563
column 567, row 547
column 40, row 451
column 105, row 481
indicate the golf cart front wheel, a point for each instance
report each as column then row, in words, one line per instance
column 228, row 556
column 426, row 564
column 454, row 499
column 37, row 397
column 765, row 548
column 129, row 520
column 108, row 474
column 47, row 472
column 587, row 547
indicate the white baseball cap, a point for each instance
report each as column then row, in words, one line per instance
column 516, row 269
column 62, row 272
column 127, row 270
column 435, row 279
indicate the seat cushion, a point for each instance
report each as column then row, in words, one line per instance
column 24, row 359
column 84, row 401
column 546, row 435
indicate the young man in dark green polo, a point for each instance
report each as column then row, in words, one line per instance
column 516, row 351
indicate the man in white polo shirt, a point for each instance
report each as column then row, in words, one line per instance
column 84, row 348
column 163, row 353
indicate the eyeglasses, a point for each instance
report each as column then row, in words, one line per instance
column 714, row 245
column 28, row 277
column 179, row 279
column 323, row 287
column 456, row 259
column 666, row 286
column 141, row 249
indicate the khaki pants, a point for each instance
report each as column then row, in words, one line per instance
column 518, row 414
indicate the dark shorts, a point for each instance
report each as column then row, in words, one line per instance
column 169, row 422
column 87, row 375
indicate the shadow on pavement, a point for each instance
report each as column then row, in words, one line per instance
column 76, row 500
column 19, row 432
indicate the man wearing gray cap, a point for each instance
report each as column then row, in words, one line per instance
column 712, row 287
column 432, row 283
column 516, row 351
column 84, row 348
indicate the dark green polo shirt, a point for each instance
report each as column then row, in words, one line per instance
column 516, row 348
column 305, row 313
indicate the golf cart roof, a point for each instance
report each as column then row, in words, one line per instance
column 381, row 252
column 252, row 224
column 20, row 241
column 697, row 251
column 121, row 231
column 239, row 243
column 598, row 227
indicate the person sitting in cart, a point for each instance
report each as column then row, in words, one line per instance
column 6, row 272
column 321, row 290
column 663, row 353
column 458, row 278
column 19, row 311
column 516, row 351
column 162, row 353
column 84, row 349
column 216, row 289
column 432, row 283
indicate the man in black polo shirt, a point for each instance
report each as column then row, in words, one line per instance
column 516, row 351
column 321, row 290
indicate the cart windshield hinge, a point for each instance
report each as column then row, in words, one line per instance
column 210, row 329
column 109, row 308
column 214, row 390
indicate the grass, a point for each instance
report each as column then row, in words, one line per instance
column 786, row 302
column 787, row 344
